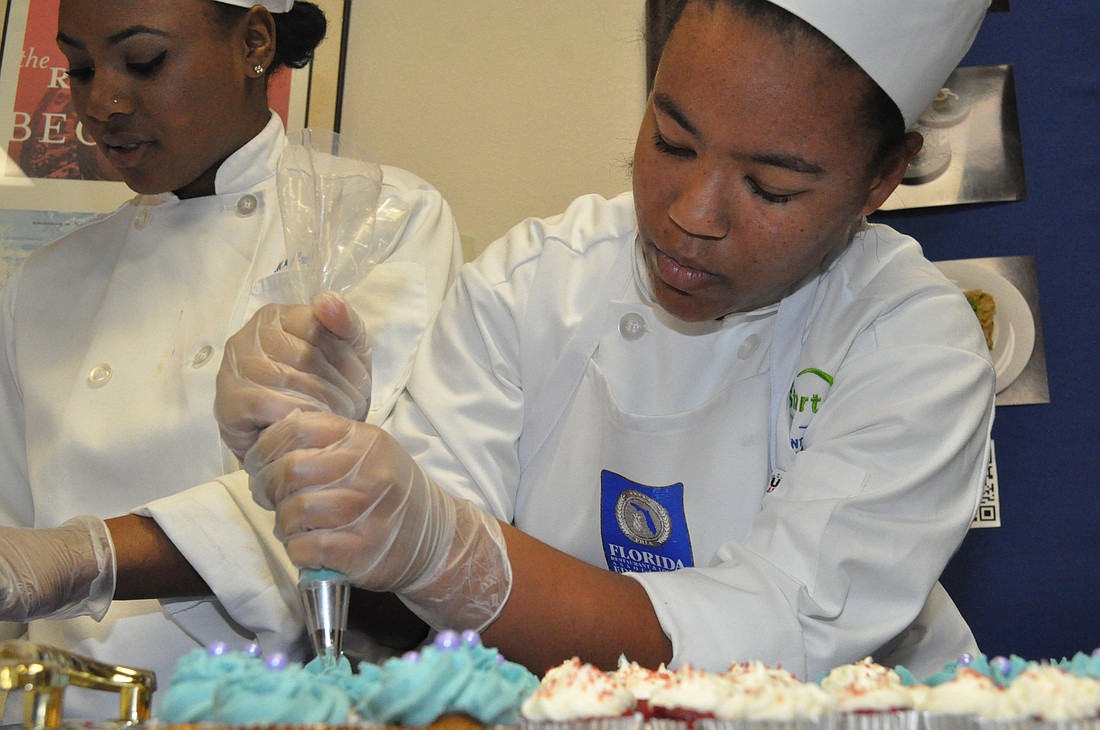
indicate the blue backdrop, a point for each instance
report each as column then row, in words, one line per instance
column 1032, row 586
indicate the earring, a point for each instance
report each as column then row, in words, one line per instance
column 258, row 70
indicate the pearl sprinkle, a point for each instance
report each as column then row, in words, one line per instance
column 276, row 661
column 447, row 640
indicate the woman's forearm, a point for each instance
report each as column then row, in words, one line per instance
column 148, row 565
column 562, row 607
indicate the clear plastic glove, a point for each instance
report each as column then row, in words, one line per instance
column 56, row 572
column 349, row 498
column 292, row 357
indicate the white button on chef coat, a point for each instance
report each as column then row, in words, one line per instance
column 99, row 375
column 748, row 347
column 202, row 356
column 246, row 206
column 632, row 326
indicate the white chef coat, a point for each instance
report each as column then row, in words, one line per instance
column 787, row 484
column 112, row 338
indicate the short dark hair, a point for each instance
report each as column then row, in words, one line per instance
column 879, row 114
column 298, row 31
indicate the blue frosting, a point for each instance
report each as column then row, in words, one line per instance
column 467, row 679
column 1001, row 670
column 455, row 676
column 1082, row 664
column 190, row 697
column 293, row 695
column 242, row 688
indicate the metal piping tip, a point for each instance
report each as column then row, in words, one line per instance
column 325, row 596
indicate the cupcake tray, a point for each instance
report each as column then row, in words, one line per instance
column 42, row 673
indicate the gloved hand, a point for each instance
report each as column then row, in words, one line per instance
column 349, row 498
column 292, row 357
column 56, row 572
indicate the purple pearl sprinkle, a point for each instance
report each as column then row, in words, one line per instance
column 1096, row 653
column 253, row 649
column 410, row 656
column 276, row 661
column 446, row 640
column 1001, row 664
column 966, row 659
column 470, row 638
column 218, row 648
column 500, row 660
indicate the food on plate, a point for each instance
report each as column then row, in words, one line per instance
column 985, row 307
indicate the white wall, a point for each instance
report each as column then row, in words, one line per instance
column 512, row 108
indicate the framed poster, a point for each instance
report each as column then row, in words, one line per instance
column 51, row 164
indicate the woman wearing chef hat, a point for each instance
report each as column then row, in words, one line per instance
column 718, row 419
column 112, row 335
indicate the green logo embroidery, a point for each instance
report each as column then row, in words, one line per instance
column 798, row 402
column 807, row 394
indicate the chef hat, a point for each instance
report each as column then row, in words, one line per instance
column 275, row 6
column 909, row 47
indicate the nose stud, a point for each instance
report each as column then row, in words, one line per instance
column 115, row 100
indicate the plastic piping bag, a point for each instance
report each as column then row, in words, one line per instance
column 328, row 196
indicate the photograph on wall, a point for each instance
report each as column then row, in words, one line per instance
column 1003, row 291
column 972, row 151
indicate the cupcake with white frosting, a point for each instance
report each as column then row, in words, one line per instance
column 642, row 682
column 955, row 703
column 769, row 698
column 692, row 695
column 579, row 696
column 1047, row 696
column 871, row 696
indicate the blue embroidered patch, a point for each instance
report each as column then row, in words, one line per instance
column 643, row 528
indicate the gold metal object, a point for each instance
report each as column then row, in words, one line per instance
column 43, row 672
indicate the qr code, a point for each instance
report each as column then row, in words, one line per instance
column 989, row 509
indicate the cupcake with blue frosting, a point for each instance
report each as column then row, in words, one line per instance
column 455, row 681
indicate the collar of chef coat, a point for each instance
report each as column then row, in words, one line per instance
column 243, row 174
column 644, row 289
column 256, row 161
column 253, row 163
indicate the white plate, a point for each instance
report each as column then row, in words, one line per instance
column 1013, row 325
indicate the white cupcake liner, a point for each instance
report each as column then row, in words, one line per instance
column 667, row 723
column 887, row 720
column 946, row 721
column 632, row 722
column 986, row 723
column 824, row 722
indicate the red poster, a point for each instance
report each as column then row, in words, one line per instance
column 47, row 140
